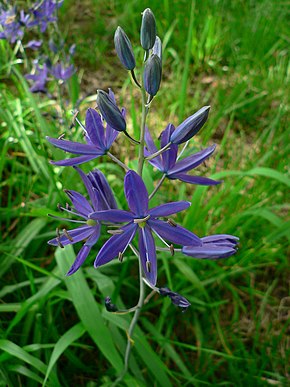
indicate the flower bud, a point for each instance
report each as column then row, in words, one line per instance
column 190, row 126
column 176, row 298
column 110, row 111
column 124, row 49
column 148, row 29
column 152, row 75
column 157, row 48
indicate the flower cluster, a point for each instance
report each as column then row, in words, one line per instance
column 150, row 226
column 14, row 23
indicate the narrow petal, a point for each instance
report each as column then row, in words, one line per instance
column 74, row 161
column 136, row 193
column 152, row 148
column 79, row 202
column 175, row 234
column 84, row 251
column 89, row 187
column 110, row 137
column 115, row 245
column 101, row 184
column 75, row 147
column 77, row 235
column 220, row 238
column 208, row 251
column 169, row 208
column 194, row 179
column 192, row 161
column 148, row 254
column 94, row 127
column 170, row 155
column 114, row 216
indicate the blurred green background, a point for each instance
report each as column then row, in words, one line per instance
column 54, row 330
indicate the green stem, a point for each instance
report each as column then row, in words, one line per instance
column 117, row 161
column 157, row 187
column 139, row 305
column 145, row 110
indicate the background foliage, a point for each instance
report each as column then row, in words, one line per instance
column 54, row 330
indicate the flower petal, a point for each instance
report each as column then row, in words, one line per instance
column 100, row 183
column 114, row 216
column 94, row 127
column 208, row 251
column 148, row 254
column 169, row 208
column 136, row 194
column 74, row 161
column 89, row 187
column 221, row 239
column 169, row 156
column 150, row 149
column 175, row 234
column 194, row 179
column 84, row 251
column 80, row 202
column 192, row 161
column 115, row 245
column 77, row 235
column 75, row 147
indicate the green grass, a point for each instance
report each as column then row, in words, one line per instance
column 54, row 330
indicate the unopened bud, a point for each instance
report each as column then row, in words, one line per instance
column 152, row 75
column 148, row 29
column 124, row 49
column 110, row 111
column 190, row 126
column 157, row 48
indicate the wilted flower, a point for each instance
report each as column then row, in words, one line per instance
column 40, row 78
column 176, row 298
column 148, row 29
column 152, row 74
column 144, row 221
column 89, row 229
column 109, row 305
column 99, row 140
column 124, row 49
column 188, row 128
column 213, row 247
column 168, row 163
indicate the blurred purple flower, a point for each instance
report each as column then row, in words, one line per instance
column 33, row 44
column 43, row 12
column 99, row 140
column 143, row 220
column 12, row 28
column 59, row 71
column 213, row 247
column 89, row 229
column 168, row 164
column 40, row 78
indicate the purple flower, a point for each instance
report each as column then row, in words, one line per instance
column 59, row 71
column 39, row 78
column 43, row 12
column 167, row 161
column 99, row 140
column 143, row 221
column 12, row 28
column 89, row 229
column 213, row 247
column 34, row 44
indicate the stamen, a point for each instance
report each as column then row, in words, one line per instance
column 141, row 220
column 67, row 206
column 120, row 256
column 172, row 222
column 115, row 232
column 148, row 266
column 156, row 233
column 61, row 136
column 58, row 238
column 67, row 235
column 172, row 250
column 59, row 207
column 73, row 123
